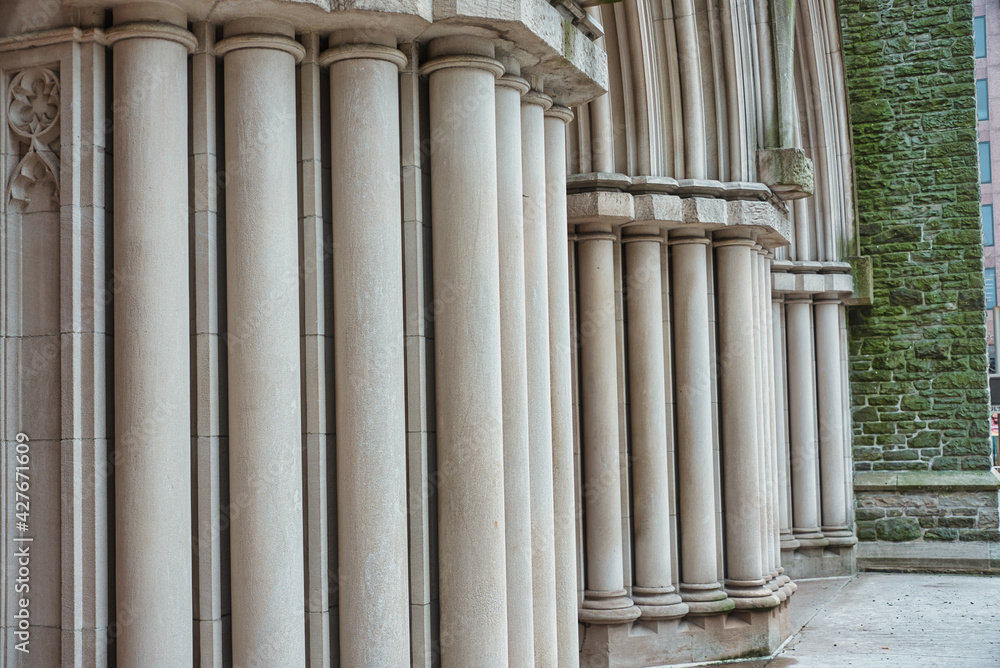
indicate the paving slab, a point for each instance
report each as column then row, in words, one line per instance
column 893, row 620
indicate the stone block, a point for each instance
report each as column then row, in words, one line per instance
column 786, row 171
column 897, row 529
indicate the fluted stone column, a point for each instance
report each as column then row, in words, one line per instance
column 829, row 400
column 536, row 298
column 745, row 571
column 801, row 427
column 563, row 474
column 787, row 540
column 471, row 533
column 653, row 590
column 605, row 600
column 699, row 581
column 265, row 461
column 152, row 339
column 514, row 352
column 368, row 345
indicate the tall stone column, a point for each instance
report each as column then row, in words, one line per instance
column 653, row 589
column 536, row 298
column 829, row 400
column 563, row 473
column 265, row 426
column 152, row 339
column 471, row 534
column 699, row 582
column 787, row 540
column 368, row 345
column 745, row 571
column 605, row 600
column 762, row 315
column 517, row 472
column 801, row 427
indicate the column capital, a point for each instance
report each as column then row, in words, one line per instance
column 363, row 51
column 151, row 30
column 537, row 97
column 798, row 298
column 565, row 114
column 466, row 61
column 632, row 238
column 827, row 298
column 734, row 241
column 275, row 41
column 515, row 83
column 679, row 238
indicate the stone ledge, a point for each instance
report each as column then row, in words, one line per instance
column 938, row 481
column 968, row 557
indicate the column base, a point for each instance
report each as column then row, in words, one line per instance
column 789, row 542
column 839, row 536
column 751, row 594
column 658, row 602
column 658, row 643
column 705, row 599
column 811, row 537
column 607, row 607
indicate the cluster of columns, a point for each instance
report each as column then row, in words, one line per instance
column 751, row 576
column 815, row 510
column 504, row 443
column 505, row 459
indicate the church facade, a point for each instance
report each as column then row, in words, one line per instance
column 462, row 333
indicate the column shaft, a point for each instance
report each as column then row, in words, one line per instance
column 152, row 345
column 829, row 399
column 739, row 418
column 472, row 529
column 605, row 599
column 368, row 347
column 653, row 590
column 801, row 403
column 563, row 467
column 699, row 586
column 265, row 467
column 536, row 297
column 517, row 472
column 787, row 540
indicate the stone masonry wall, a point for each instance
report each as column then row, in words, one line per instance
column 918, row 352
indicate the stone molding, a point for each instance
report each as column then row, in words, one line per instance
column 964, row 557
column 939, row 481
column 812, row 278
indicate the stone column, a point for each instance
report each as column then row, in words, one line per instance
column 563, row 473
column 787, row 540
column 514, row 351
column 699, row 582
column 801, row 427
column 471, row 533
column 605, row 600
column 744, row 498
column 368, row 347
column 152, row 339
column 536, row 298
column 829, row 400
column 265, row 426
column 653, row 590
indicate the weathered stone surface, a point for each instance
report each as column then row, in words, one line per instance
column 787, row 171
column 897, row 529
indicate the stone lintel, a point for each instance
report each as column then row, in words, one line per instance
column 938, row 481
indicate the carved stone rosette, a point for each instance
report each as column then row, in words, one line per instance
column 33, row 115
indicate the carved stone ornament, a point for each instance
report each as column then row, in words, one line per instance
column 33, row 115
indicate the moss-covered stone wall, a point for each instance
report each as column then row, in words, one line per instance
column 918, row 352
